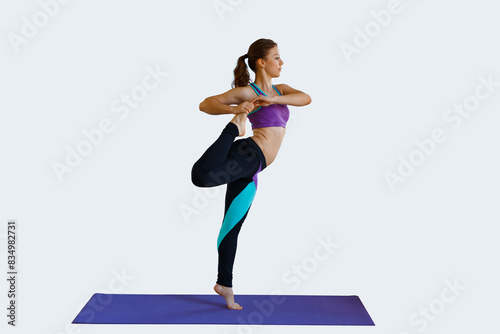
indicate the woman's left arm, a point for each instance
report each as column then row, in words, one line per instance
column 291, row 96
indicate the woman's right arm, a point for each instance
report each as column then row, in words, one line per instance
column 222, row 104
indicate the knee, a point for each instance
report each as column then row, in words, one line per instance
column 209, row 178
column 196, row 176
column 199, row 176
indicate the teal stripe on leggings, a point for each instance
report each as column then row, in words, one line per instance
column 237, row 209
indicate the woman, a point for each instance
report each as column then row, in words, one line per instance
column 237, row 163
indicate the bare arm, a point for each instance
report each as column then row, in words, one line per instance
column 291, row 96
column 223, row 103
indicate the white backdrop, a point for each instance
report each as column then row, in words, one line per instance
column 394, row 163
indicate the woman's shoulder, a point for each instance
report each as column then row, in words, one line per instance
column 281, row 88
column 286, row 89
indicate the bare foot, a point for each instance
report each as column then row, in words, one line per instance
column 240, row 121
column 228, row 295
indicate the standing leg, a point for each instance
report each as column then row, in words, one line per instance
column 239, row 198
column 235, row 163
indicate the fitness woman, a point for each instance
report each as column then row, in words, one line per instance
column 237, row 162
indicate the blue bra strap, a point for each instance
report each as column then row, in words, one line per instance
column 254, row 86
column 254, row 89
column 277, row 90
column 254, row 110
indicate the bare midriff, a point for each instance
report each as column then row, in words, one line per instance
column 269, row 140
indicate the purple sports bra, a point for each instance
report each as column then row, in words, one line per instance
column 272, row 115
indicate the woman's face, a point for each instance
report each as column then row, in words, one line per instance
column 272, row 63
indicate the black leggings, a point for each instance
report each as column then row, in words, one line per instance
column 235, row 163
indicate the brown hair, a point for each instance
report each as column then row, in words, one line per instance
column 258, row 49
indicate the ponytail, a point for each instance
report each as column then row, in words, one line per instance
column 241, row 75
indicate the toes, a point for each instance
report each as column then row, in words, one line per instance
column 235, row 306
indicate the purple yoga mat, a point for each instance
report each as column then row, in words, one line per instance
column 212, row 309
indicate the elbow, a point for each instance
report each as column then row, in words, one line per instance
column 308, row 99
column 203, row 106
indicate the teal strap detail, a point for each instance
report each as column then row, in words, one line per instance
column 277, row 90
column 251, row 85
column 237, row 209
column 254, row 110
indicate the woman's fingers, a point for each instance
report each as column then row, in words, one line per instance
column 249, row 106
column 261, row 101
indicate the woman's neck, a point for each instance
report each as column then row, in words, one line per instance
column 266, row 87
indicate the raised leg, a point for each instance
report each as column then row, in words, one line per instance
column 213, row 157
column 221, row 163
